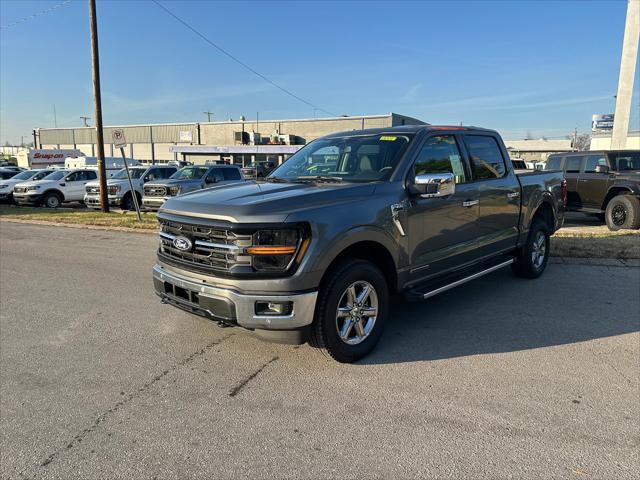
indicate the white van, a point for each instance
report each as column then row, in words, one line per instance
column 112, row 164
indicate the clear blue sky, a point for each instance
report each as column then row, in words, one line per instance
column 539, row 66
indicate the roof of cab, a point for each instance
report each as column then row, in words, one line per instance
column 408, row 129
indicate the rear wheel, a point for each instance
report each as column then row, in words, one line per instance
column 533, row 257
column 623, row 212
column 52, row 200
column 351, row 311
column 127, row 202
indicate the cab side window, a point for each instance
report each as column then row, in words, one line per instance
column 167, row 172
column 440, row 154
column 485, row 156
column 572, row 164
column 152, row 175
column 553, row 163
column 73, row 177
column 231, row 173
column 593, row 161
column 214, row 176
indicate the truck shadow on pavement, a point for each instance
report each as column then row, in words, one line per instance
column 502, row 313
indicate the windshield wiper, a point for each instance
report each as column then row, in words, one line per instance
column 275, row 180
column 320, row 178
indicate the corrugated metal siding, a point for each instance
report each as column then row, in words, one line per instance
column 171, row 133
column 57, row 136
column 83, row 135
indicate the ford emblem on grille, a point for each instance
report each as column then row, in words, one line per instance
column 182, row 243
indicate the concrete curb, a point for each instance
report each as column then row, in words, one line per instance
column 81, row 226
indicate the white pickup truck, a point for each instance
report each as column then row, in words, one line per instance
column 54, row 189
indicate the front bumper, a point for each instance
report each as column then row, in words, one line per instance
column 154, row 202
column 31, row 198
column 230, row 306
column 93, row 201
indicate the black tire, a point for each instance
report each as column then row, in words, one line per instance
column 531, row 260
column 52, row 200
column 324, row 330
column 127, row 202
column 623, row 212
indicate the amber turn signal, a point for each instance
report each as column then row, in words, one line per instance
column 263, row 250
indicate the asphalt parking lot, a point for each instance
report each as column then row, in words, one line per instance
column 500, row 378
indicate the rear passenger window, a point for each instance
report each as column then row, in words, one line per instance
column 231, row 173
column 553, row 163
column 91, row 175
column 486, row 158
column 593, row 161
column 572, row 164
column 440, row 154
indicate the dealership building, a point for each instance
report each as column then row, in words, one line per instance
column 235, row 141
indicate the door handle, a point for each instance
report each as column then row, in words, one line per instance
column 513, row 194
column 470, row 203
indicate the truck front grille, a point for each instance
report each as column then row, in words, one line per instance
column 211, row 248
column 19, row 189
column 152, row 191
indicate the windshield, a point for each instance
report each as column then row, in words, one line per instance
column 358, row 158
column 57, row 175
column 188, row 173
column 26, row 175
column 621, row 161
column 135, row 173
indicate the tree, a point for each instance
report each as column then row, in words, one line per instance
column 582, row 142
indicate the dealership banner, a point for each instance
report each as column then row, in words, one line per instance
column 602, row 122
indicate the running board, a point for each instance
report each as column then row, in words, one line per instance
column 432, row 290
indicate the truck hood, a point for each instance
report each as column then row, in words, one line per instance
column 116, row 181
column 41, row 183
column 255, row 202
column 10, row 182
column 175, row 181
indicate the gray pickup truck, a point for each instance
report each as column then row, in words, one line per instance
column 304, row 256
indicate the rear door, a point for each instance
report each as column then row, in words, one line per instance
column 572, row 166
column 592, row 186
column 442, row 231
column 498, row 193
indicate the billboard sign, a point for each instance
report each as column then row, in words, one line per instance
column 602, row 123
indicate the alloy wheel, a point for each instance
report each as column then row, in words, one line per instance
column 357, row 312
column 539, row 250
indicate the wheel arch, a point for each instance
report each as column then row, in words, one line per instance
column 53, row 190
column 371, row 250
column 546, row 213
column 614, row 191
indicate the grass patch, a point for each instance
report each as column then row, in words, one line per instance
column 81, row 217
column 616, row 245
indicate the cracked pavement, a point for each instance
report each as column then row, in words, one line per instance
column 500, row 378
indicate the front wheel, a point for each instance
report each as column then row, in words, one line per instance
column 351, row 311
column 623, row 212
column 532, row 259
column 52, row 200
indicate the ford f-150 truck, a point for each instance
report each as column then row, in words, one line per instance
column 306, row 257
column 188, row 179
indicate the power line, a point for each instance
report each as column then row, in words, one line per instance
column 240, row 62
column 37, row 14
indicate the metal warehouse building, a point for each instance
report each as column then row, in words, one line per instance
column 235, row 141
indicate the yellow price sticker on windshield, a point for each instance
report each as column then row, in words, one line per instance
column 388, row 139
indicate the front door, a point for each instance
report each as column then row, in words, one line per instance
column 498, row 193
column 592, row 186
column 74, row 188
column 443, row 230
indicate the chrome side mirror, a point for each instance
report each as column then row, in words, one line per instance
column 432, row 185
column 602, row 169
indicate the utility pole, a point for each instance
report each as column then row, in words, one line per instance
column 55, row 117
column 84, row 119
column 574, row 142
column 208, row 114
column 97, row 106
column 627, row 73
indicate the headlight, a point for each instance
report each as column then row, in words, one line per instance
column 173, row 191
column 33, row 189
column 113, row 189
column 277, row 250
